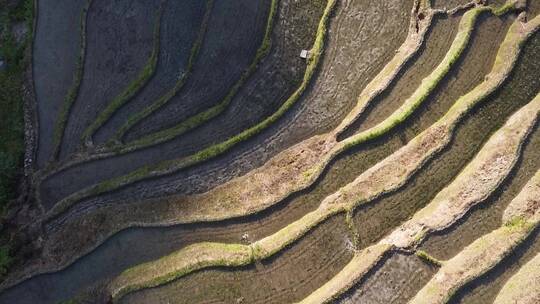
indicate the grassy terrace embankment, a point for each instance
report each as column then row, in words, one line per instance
column 471, row 132
column 447, row 208
column 115, row 146
column 200, row 118
column 283, row 278
column 347, row 227
column 520, row 219
column 485, row 219
column 524, row 286
column 217, row 69
column 438, row 41
column 167, row 167
column 60, row 34
column 73, row 92
column 347, row 198
column 181, row 263
column 106, row 168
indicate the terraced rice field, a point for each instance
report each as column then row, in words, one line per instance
column 184, row 152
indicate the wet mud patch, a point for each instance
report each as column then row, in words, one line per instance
column 286, row 277
column 377, row 217
column 397, row 280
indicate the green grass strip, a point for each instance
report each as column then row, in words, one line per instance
column 73, row 92
column 428, row 258
column 202, row 117
column 450, row 205
column 466, row 27
column 170, row 166
column 132, row 89
column 136, row 118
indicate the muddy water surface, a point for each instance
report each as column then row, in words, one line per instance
column 396, row 281
column 57, row 39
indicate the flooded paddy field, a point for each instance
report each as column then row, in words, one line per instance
column 395, row 281
column 57, row 38
column 114, row 56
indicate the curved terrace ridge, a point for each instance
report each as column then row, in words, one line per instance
column 320, row 144
column 520, row 219
column 265, row 186
column 430, row 219
column 270, row 151
column 493, row 163
column 167, row 167
column 73, row 92
column 483, row 90
column 132, row 89
column 116, row 146
column 524, row 286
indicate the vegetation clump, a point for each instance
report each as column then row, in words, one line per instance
column 14, row 56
